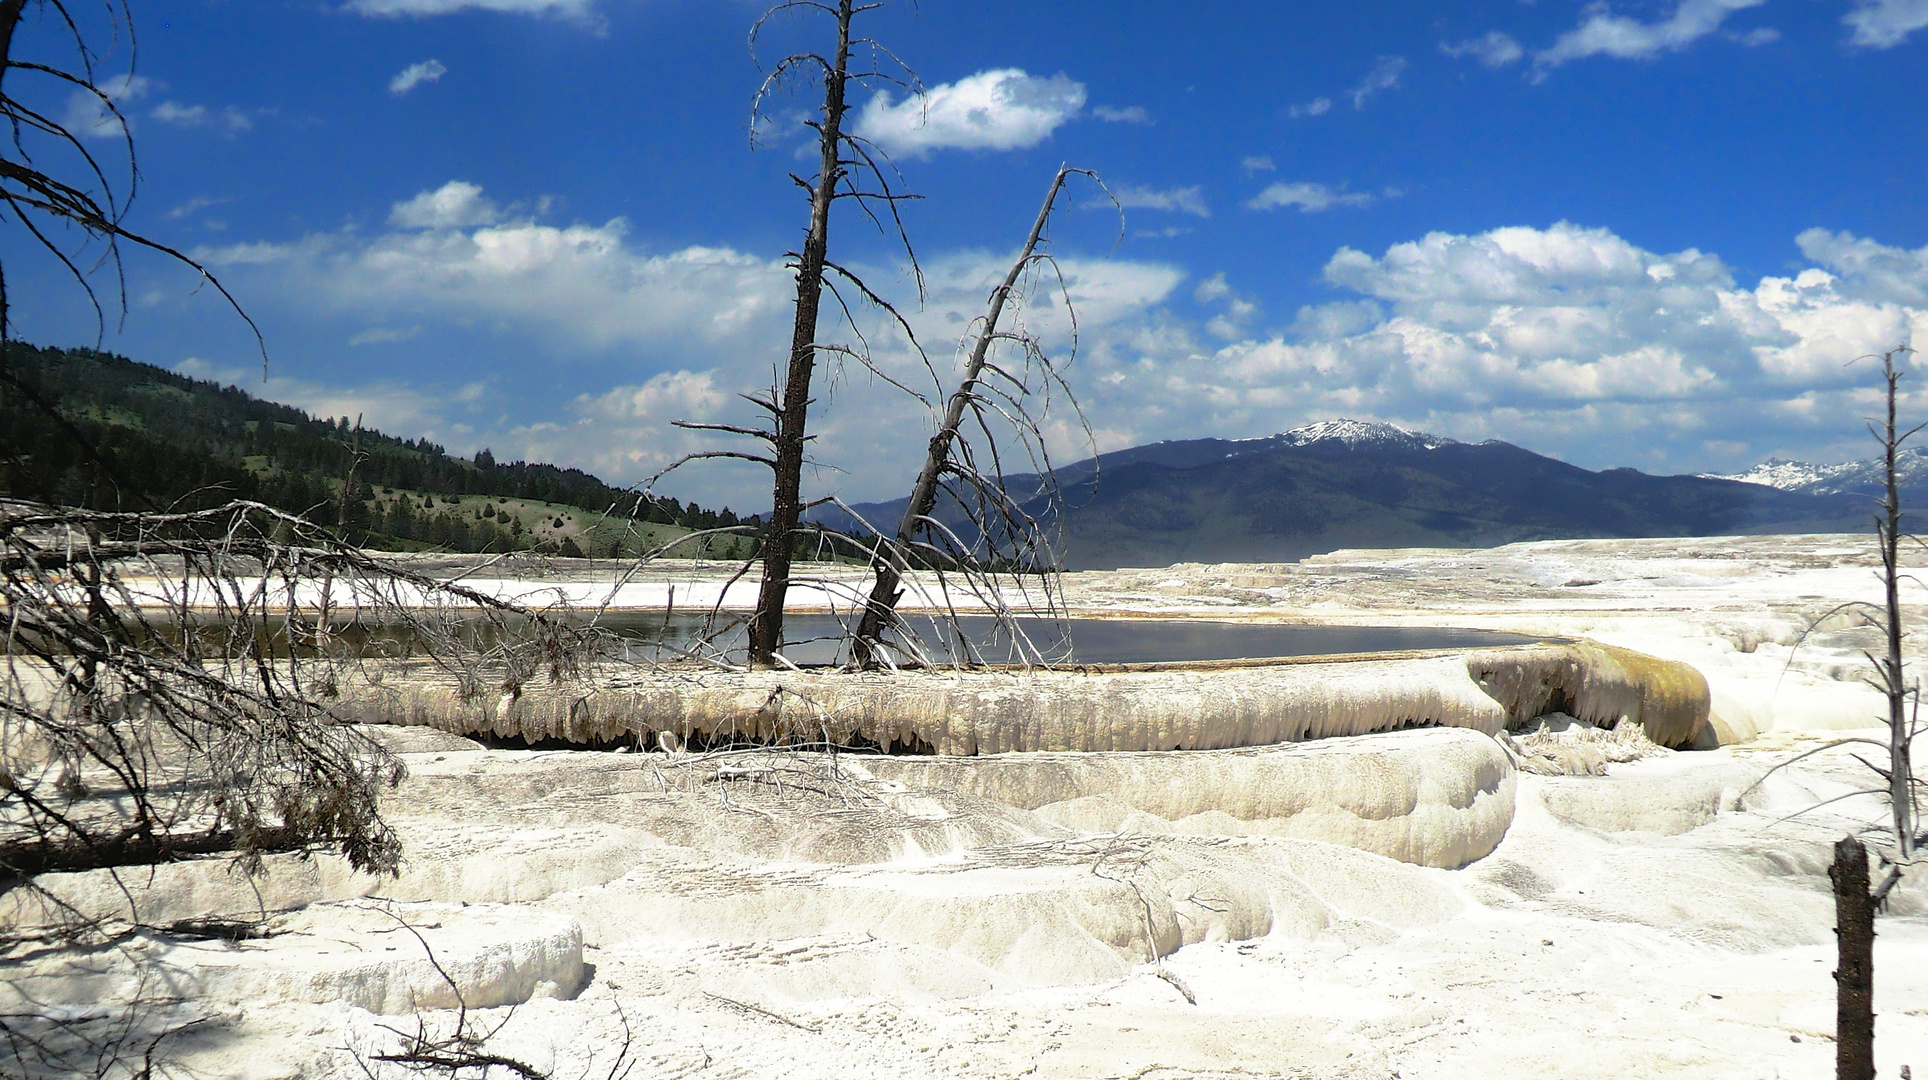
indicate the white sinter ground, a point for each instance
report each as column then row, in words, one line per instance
column 783, row 916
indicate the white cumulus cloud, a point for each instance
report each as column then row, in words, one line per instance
column 626, row 430
column 455, row 205
column 88, row 117
column 669, row 395
column 1495, row 49
column 1003, row 109
column 1384, row 75
column 1310, row 198
column 1185, row 200
column 1602, row 33
column 454, row 252
column 1130, row 114
column 1883, row 24
column 383, row 335
column 228, row 118
column 414, row 75
column 1573, row 340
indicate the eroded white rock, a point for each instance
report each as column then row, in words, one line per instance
column 1440, row 797
column 385, row 958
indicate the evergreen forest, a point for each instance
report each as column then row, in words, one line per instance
column 79, row 427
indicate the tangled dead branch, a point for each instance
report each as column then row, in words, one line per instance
column 87, row 200
column 460, row 1049
column 169, row 680
column 102, row 1041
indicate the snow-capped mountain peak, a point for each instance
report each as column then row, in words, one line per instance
column 1784, row 474
column 1355, row 434
column 1808, row 478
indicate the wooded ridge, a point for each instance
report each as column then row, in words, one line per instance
column 158, row 438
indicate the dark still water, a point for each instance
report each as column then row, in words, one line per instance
column 817, row 639
column 820, row 639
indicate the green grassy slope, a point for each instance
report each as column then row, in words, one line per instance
column 165, row 440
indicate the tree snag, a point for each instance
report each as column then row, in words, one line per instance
column 1891, row 681
column 1855, row 905
column 1854, row 970
column 786, row 505
column 892, row 562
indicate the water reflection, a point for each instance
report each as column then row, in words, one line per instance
column 819, row 639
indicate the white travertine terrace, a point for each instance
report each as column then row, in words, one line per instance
column 1202, row 706
column 778, row 914
column 1440, row 798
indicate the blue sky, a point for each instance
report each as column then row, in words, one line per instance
column 1645, row 234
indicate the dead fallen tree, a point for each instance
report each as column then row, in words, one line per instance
column 171, row 684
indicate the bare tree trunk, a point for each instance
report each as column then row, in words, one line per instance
column 766, row 626
column 9, row 18
column 1900, row 771
column 1854, row 906
column 10, row 11
column 886, row 591
column 1854, row 973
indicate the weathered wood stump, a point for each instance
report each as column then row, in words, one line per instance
column 1854, row 975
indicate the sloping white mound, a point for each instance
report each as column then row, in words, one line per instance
column 357, row 953
column 1200, row 707
column 1065, row 912
column 1008, row 864
column 1435, row 798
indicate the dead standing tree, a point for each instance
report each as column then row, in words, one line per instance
column 1855, row 903
column 985, row 389
column 842, row 159
column 1001, row 532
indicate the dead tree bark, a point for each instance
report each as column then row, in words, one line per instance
column 1893, row 683
column 792, row 415
column 891, row 564
column 1855, row 905
column 1854, row 969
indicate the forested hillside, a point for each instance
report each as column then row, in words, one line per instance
column 162, row 440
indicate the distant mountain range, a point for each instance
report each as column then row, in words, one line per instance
column 1852, row 478
column 170, row 440
column 1349, row 483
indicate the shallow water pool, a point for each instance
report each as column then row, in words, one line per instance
column 817, row 639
